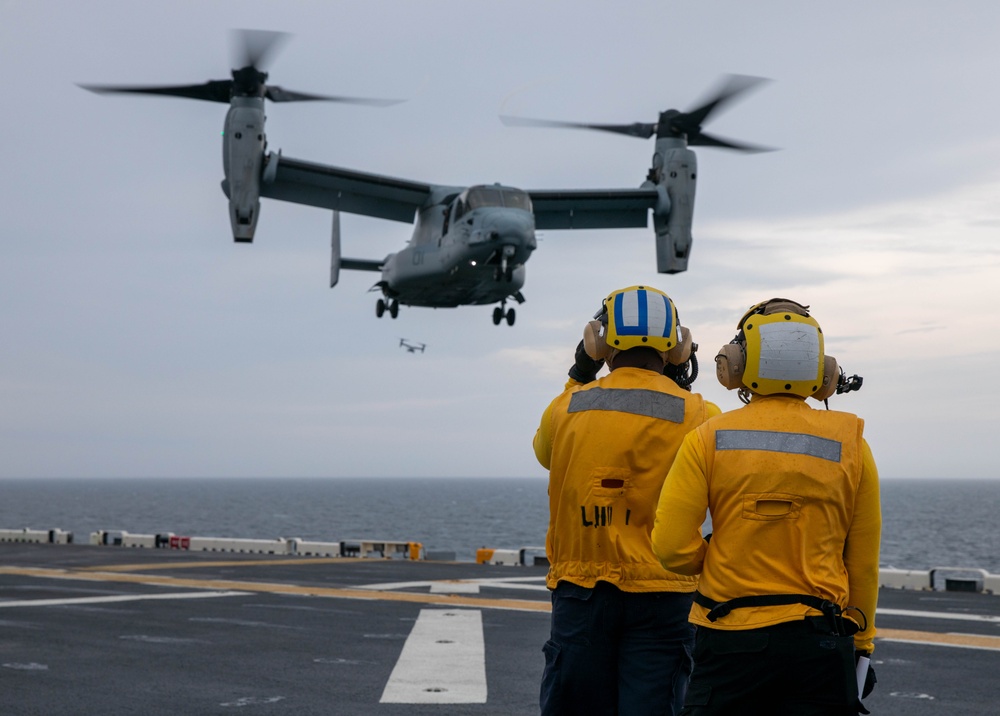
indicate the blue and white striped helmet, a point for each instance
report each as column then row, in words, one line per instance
column 640, row 316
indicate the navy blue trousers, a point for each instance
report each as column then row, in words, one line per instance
column 615, row 652
column 797, row 668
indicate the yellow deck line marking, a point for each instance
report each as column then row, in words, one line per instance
column 229, row 563
column 273, row 588
column 91, row 574
column 973, row 641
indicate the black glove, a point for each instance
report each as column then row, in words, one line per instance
column 585, row 369
column 870, row 679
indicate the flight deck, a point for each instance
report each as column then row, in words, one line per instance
column 89, row 629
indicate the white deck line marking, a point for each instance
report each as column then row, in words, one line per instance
column 454, row 588
column 939, row 643
column 515, row 582
column 384, row 586
column 938, row 615
column 515, row 585
column 443, row 660
column 119, row 598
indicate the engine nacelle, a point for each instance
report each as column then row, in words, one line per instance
column 243, row 145
column 675, row 169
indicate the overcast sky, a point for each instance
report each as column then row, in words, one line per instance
column 136, row 339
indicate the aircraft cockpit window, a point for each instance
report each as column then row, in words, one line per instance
column 515, row 199
column 483, row 196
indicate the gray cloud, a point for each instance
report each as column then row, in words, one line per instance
column 138, row 340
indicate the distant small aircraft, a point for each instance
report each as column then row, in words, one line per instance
column 412, row 347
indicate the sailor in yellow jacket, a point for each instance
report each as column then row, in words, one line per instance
column 620, row 641
column 789, row 575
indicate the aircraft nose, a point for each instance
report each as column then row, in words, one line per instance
column 512, row 229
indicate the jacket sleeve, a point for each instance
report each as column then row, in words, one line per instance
column 543, row 436
column 861, row 552
column 543, row 439
column 677, row 540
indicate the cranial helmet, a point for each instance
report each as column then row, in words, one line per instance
column 637, row 317
column 779, row 349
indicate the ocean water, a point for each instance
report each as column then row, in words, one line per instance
column 444, row 514
column 926, row 523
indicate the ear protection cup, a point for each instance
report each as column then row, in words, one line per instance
column 729, row 366
column 679, row 354
column 594, row 340
column 831, row 376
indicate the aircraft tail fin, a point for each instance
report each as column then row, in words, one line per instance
column 335, row 250
column 338, row 262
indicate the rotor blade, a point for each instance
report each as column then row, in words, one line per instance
column 279, row 94
column 707, row 140
column 732, row 86
column 213, row 91
column 636, row 129
column 254, row 48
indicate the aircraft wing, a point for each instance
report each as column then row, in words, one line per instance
column 362, row 264
column 339, row 189
column 592, row 208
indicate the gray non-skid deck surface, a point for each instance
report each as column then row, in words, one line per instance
column 108, row 630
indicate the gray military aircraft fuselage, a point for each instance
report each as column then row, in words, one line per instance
column 468, row 248
column 469, row 244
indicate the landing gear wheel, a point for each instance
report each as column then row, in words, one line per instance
column 501, row 313
column 379, row 308
column 394, row 308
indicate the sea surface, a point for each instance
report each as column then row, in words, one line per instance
column 925, row 523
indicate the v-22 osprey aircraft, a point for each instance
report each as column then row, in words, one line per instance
column 469, row 244
column 412, row 347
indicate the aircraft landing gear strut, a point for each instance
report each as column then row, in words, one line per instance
column 505, row 272
column 500, row 313
column 381, row 305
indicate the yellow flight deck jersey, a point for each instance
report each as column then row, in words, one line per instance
column 794, row 498
column 607, row 445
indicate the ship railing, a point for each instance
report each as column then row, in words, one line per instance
column 361, row 548
column 522, row 557
column 948, row 579
column 54, row 536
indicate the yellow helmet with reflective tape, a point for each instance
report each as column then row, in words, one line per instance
column 638, row 317
column 779, row 349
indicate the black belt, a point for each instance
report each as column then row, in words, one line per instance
column 833, row 612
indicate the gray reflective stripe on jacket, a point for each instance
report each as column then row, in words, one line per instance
column 649, row 403
column 795, row 443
